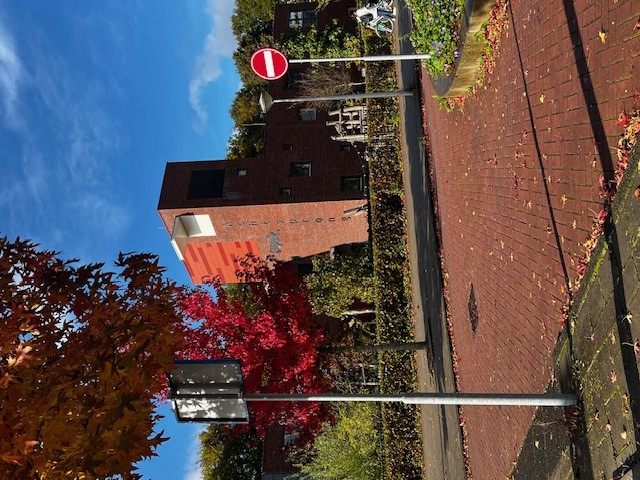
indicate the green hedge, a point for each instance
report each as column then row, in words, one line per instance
column 401, row 427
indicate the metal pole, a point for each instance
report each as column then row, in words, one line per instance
column 267, row 101
column 513, row 399
column 380, row 58
column 344, row 97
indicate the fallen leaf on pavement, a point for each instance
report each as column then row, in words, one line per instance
column 603, row 36
column 623, row 119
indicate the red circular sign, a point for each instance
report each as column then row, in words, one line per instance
column 269, row 63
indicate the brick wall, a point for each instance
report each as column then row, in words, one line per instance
column 262, row 203
column 309, row 221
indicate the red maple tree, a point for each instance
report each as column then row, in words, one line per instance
column 275, row 338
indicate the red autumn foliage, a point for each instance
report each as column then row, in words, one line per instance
column 276, row 340
column 623, row 120
column 83, row 351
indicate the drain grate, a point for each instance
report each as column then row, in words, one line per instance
column 473, row 310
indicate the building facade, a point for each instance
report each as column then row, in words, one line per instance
column 304, row 196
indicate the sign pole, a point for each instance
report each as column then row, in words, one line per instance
column 379, row 58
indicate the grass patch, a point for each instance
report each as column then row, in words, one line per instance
column 435, row 31
column 401, row 434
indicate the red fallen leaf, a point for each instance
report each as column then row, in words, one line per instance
column 623, row 119
column 636, row 93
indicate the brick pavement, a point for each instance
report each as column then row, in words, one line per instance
column 517, row 177
column 597, row 354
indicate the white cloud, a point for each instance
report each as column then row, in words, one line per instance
column 192, row 469
column 99, row 213
column 63, row 136
column 11, row 77
column 35, row 173
column 219, row 43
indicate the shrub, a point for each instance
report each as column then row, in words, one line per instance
column 337, row 283
column 436, row 24
column 349, row 449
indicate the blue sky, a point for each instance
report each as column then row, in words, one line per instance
column 95, row 98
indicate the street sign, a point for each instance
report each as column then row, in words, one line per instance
column 269, row 63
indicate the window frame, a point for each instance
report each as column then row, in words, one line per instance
column 303, row 18
column 205, row 184
column 349, row 178
column 303, row 114
column 298, row 167
column 346, row 147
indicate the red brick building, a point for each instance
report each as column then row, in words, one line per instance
column 300, row 199
column 275, row 462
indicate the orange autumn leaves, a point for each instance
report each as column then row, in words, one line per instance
column 82, row 354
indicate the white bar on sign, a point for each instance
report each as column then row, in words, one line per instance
column 268, row 63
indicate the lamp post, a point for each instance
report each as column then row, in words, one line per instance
column 213, row 391
column 267, row 101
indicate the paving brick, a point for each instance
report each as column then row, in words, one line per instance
column 519, row 299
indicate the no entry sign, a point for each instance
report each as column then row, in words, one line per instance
column 269, row 63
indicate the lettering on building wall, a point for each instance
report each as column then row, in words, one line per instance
column 292, row 221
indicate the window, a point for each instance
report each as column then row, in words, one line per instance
column 307, row 114
column 241, row 172
column 285, row 191
column 302, row 18
column 352, row 184
column 287, row 146
column 205, row 184
column 294, row 78
column 301, row 169
column 346, row 147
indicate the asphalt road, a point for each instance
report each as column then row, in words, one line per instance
column 442, row 440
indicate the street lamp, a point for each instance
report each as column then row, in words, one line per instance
column 267, row 101
column 212, row 391
column 208, row 391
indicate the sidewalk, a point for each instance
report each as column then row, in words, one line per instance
column 597, row 354
column 517, row 181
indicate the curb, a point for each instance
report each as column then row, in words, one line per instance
column 476, row 13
